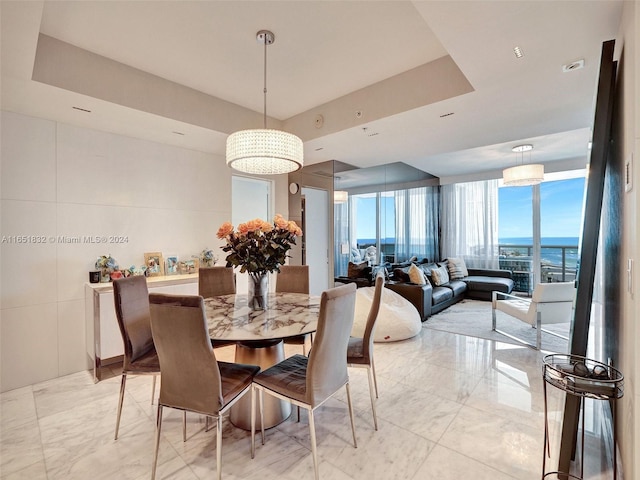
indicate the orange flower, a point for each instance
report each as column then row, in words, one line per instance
column 225, row 229
column 293, row 228
column 253, row 225
column 280, row 222
column 266, row 227
column 243, row 228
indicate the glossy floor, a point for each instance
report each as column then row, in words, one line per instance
column 450, row 407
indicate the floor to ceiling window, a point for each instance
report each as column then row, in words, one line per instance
column 551, row 255
column 391, row 226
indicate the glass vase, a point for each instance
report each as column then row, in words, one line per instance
column 258, row 291
column 105, row 275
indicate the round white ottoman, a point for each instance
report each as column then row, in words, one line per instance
column 397, row 320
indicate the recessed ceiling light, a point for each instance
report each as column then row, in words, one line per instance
column 81, row 109
column 177, row 133
column 319, row 148
column 522, row 148
column 577, row 65
column 518, row 51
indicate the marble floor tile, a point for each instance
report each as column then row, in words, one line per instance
column 35, row 471
column 20, row 447
column 449, row 407
column 510, row 447
column 446, row 464
column 17, row 407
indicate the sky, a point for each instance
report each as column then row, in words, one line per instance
column 560, row 203
column 560, row 209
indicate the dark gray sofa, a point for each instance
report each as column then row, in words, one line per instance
column 430, row 299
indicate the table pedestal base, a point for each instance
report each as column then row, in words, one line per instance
column 276, row 411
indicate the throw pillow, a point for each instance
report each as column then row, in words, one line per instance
column 357, row 270
column 457, row 268
column 399, row 275
column 416, row 275
column 440, row 276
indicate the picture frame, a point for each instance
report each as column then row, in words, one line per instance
column 154, row 263
column 171, row 265
column 188, row 266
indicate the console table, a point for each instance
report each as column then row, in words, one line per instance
column 103, row 338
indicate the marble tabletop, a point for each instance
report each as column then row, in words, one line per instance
column 229, row 317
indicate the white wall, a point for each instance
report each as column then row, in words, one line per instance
column 628, row 145
column 60, row 180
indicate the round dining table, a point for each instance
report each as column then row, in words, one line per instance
column 259, row 335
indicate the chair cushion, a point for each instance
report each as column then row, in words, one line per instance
column 441, row 294
column 146, row 363
column 397, row 319
column 235, row 377
column 288, row 377
column 489, row 284
column 355, row 351
column 458, row 287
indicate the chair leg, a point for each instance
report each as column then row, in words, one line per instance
column 153, row 388
column 314, row 447
column 262, row 415
column 375, row 380
column 493, row 318
column 123, row 383
column 373, row 400
column 184, row 425
column 219, row 446
column 155, row 454
column 353, row 424
column 253, row 421
column 304, row 347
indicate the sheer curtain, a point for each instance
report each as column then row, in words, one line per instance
column 417, row 223
column 469, row 216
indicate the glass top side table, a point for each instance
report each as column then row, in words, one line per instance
column 585, row 378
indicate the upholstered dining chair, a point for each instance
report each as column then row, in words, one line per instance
column 131, row 300
column 192, row 379
column 308, row 382
column 360, row 350
column 214, row 281
column 295, row 279
column 549, row 303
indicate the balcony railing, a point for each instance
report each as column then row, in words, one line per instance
column 558, row 262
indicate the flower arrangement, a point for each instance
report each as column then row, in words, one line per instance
column 208, row 258
column 106, row 263
column 257, row 246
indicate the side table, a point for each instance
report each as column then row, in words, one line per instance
column 584, row 378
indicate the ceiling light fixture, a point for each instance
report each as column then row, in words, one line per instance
column 264, row 151
column 523, row 174
column 518, row 51
column 340, row 196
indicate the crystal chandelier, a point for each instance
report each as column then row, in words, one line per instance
column 524, row 174
column 264, row 151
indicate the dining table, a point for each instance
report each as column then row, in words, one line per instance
column 259, row 335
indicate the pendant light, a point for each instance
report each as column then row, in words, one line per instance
column 523, row 174
column 264, row 151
